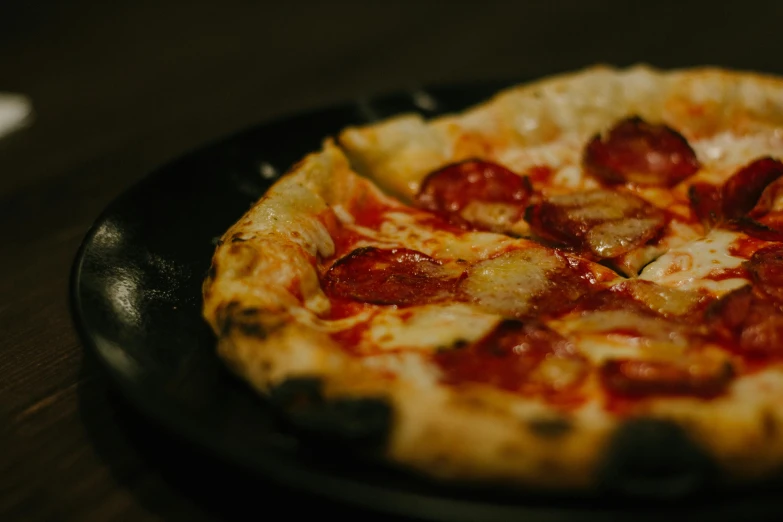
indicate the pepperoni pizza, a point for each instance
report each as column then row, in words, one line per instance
column 578, row 282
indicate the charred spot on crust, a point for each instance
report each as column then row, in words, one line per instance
column 224, row 314
column 655, row 458
column 550, row 428
column 361, row 422
column 237, row 238
column 251, row 329
column 232, row 316
column 769, row 424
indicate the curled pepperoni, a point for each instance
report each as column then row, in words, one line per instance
column 745, row 201
column 601, row 223
column 399, row 276
column 639, row 152
column 742, row 191
column 636, row 378
column 454, row 189
column 766, row 269
column 518, row 356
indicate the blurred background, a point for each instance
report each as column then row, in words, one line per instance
column 143, row 81
column 120, row 87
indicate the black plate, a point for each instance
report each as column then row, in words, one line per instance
column 136, row 298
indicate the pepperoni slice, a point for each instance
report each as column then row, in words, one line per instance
column 707, row 203
column 771, row 231
column 522, row 357
column 636, row 379
column 766, row 269
column 747, row 324
column 639, row 152
column 398, row 276
column 742, row 191
column 454, row 189
column 601, row 223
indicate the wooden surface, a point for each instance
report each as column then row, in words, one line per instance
column 120, row 88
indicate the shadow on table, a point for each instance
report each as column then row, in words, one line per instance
column 171, row 479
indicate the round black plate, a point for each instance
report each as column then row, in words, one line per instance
column 136, row 296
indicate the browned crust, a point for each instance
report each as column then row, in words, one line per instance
column 397, row 153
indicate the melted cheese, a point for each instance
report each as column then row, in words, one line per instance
column 403, row 229
column 506, row 284
column 429, row 327
column 416, row 369
column 562, row 156
column 687, row 266
column 723, row 153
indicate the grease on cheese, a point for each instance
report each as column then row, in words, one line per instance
column 429, row 326
column 508, row 283
column 686, row 267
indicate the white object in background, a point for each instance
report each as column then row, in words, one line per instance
column 15, row 112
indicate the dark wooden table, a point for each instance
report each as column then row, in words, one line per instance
column 119, row 88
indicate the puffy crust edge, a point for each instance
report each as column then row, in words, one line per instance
column 397, row 153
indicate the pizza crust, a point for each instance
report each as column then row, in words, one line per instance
column 263, row 298
column 540, row 121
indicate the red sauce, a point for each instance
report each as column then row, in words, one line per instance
column 350, row 338
column 342, row 308
column 368, row 210
column 540, row 174
column 745, row 246
column 511, row 357
column 723, row 274
column 344, row 238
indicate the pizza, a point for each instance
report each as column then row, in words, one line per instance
column 575, row 284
